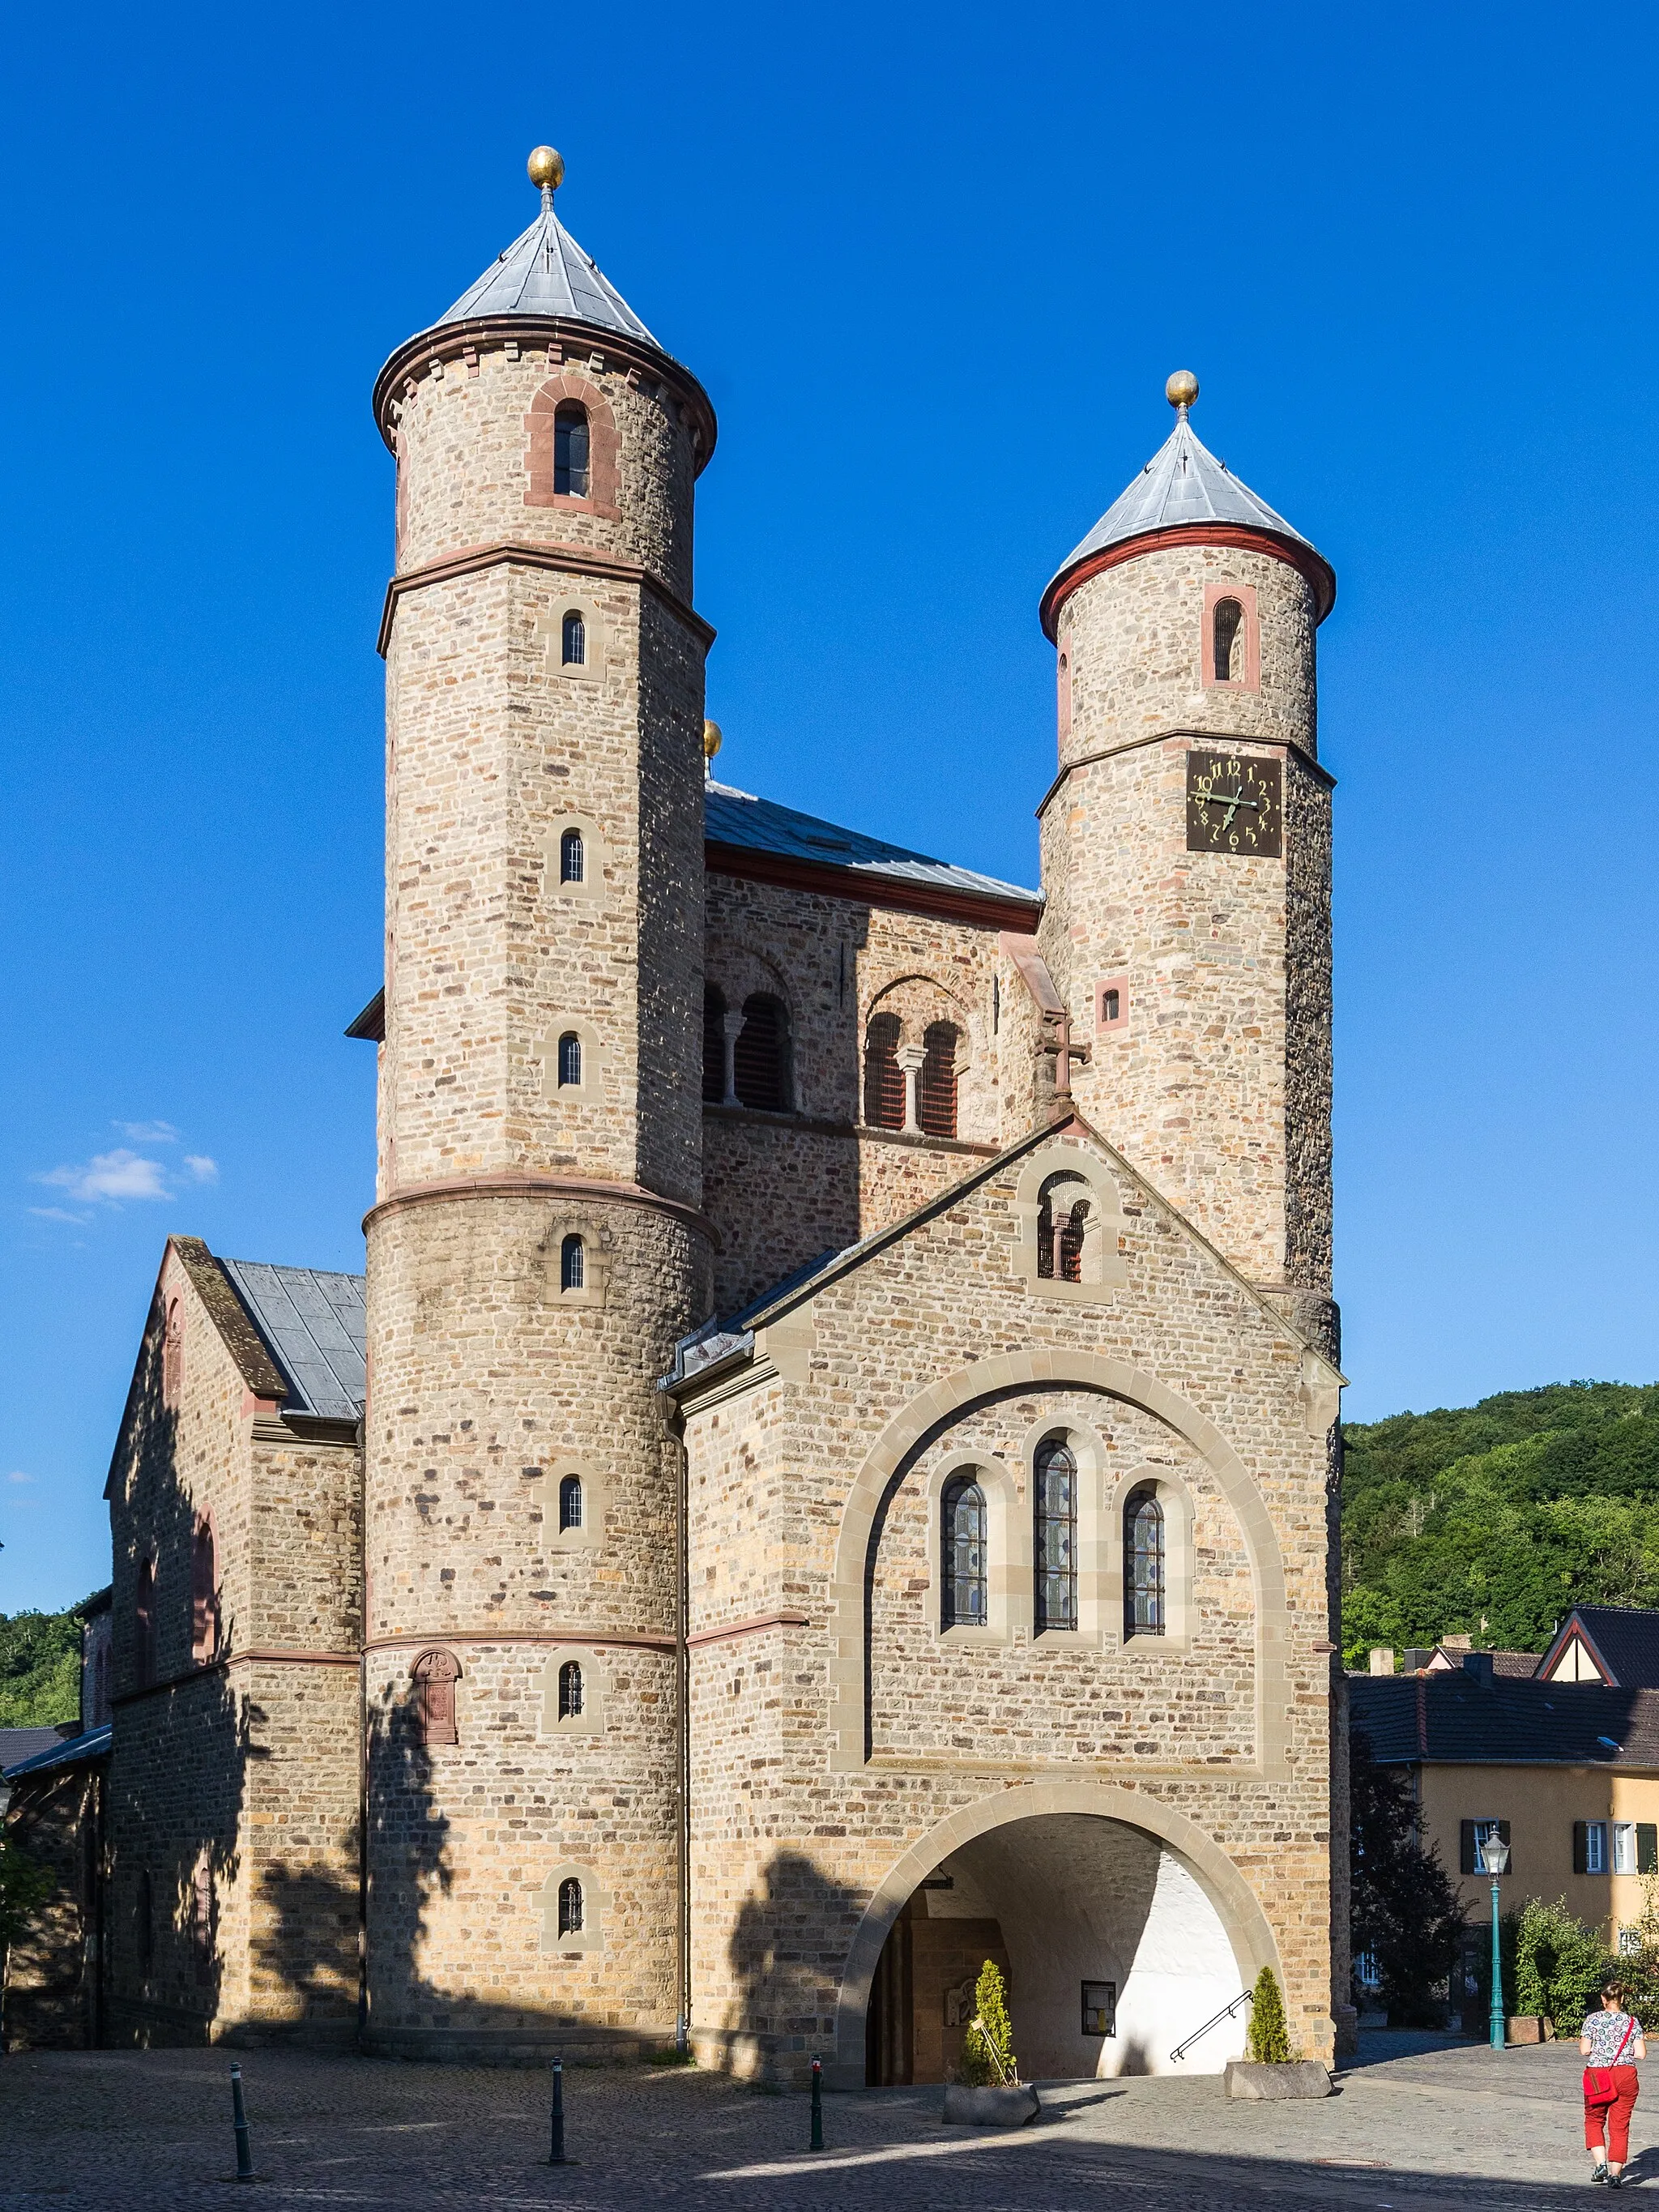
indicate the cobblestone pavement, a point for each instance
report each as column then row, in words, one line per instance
column 1418, row 2126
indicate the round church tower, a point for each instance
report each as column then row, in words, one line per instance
column 1186, row 857
column 537, row 1245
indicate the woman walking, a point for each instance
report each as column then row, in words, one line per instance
column 1611, row 2041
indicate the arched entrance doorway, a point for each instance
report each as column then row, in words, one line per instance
column 1118, row 1943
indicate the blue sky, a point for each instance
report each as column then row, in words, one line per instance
column 933, row 264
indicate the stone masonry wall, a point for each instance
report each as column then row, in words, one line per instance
column 1231, row 1731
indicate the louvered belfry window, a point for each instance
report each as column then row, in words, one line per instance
column 936, row 1104
column 570, row 449
column 714, row 1047
column 760, row 1061
column 1225, row 621
column 1054, row 1481
column 883, row 1078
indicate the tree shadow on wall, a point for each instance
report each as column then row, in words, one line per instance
column 787, row 1954
column 409, row 1833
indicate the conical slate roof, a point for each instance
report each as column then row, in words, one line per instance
column 545, row 272
column 1183, row 483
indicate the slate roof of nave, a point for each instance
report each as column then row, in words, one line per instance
column 761, row 826
column 316, row 1328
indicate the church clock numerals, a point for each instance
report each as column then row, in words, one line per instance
column 1234, row 803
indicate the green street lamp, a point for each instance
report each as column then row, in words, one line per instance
column 1495, row 1859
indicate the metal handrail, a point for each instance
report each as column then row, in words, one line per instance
column 1244, row 1996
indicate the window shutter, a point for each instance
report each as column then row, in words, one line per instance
column 1581, row 1846
column 1466, row 1847
column 1647, row 1847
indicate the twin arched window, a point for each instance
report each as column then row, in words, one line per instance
column 936, row 1085
column 883, row 1078
column 1053, row 1488
column 573, row 1276
column 570, row 447
column 891, row 1070
column 1225, row 622
column 964, row 1580
column 570, row 1062
column 570, row 1906
column 1145, row 1564
column 1062, row 1221
column 570, row 1691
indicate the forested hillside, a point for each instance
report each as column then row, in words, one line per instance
column 39, row 1668
column 1494, row 1519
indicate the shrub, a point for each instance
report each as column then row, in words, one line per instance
column 23, row 1887
column 1268, row 2041
column 988, row 2046
column 1560, row 1963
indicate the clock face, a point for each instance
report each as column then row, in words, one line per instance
column 1234, row 803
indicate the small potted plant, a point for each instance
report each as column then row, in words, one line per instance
column 990, row 2093
column 1270, row 2069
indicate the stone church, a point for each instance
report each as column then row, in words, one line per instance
column 827, row 1475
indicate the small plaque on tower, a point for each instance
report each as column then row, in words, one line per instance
column 1234, row 803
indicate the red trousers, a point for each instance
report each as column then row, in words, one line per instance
column 1615, row 2116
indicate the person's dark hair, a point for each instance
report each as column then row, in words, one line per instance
column 1618, row 1993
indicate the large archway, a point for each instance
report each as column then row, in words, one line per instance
column 1093, row 1900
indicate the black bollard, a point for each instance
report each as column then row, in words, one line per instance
column 244, row 2146
column 555, row 2156
column 817, row 2107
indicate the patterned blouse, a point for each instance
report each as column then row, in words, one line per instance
column 1606, row 2030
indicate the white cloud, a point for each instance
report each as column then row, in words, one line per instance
column 111, row 1176
column 19, row 1477
column 148, row 1133
column 56, row 1213
column 202, row 1169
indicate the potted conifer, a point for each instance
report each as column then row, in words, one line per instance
column 1270, row 2069
column 990, row 2093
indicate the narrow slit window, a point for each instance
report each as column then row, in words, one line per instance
column 936, row 1106
column 570, row 1907
column 1144, row 1589
column 570, row 1062
column 1226, row 623
column 760, row 1062
column 570, row 1495
column 714, row 1047
column 204, row 1597
column 1056, row 1485
column 883, row 1078
column 570, row 1691
column 963, row 1532
column 573, row 858
column 1110, row 1002
column 173, row 1353
column 572, row 1267
column 570, row 449
column 573, row 643
column 144, row 1612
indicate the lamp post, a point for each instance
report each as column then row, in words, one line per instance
column 1495, row 1859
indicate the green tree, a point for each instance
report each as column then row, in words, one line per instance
column 1267, row 2041
column 40, row 1667
column 24, row 1887
column 988, row 2046
column 1405, row 1911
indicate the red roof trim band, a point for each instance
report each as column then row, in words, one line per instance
column 1318, row 571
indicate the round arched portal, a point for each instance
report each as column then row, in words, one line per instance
column 1092, row 1898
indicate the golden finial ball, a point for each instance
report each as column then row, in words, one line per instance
column 546, row 168
column 711, row 739
column 1182, row 389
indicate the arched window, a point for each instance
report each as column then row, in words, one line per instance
column 573, row 640
column 570, row 1906
column 570, row 1491
column 573, row 858
column 1054, row 1489
column 570, row 449
column 173, row 1351
column 435, row 1675
column 570, row 1062
column 144, row 1613
column 936, row 1104
column 203, row 1914
column 761, row 1059
column 1110, row 1004
column 203, row 1596
column 573, row 1276
column 883, row 1078
column 1063, row 1221
column 570, row 1691
column 962, row 1534
column 1143, row 1587
column 143, row 1918
column 714, row 1046
column 1225, row 621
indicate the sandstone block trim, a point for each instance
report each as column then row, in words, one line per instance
column 564, row 560
column 753, row 1626
column 526, row 1185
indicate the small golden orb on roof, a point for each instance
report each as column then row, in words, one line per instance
column 1182, row 389
column 711, row 739
column 546, row 169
